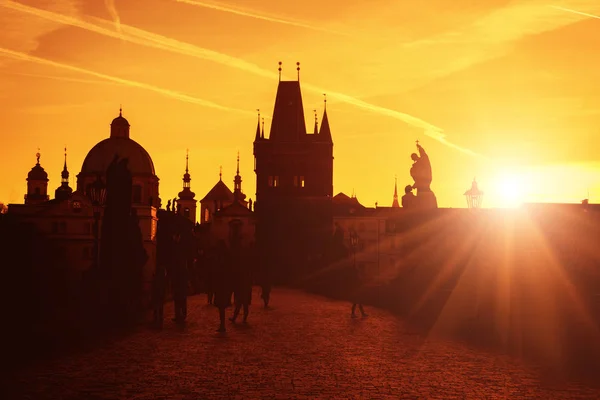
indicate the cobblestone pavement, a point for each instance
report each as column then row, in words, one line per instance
column 305, row 346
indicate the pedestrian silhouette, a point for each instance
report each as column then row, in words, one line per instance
column 242, row 279
column 356, row 283
column 158, row 294
column 222, row 281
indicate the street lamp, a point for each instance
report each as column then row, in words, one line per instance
column 98, row 197
column 474, row 196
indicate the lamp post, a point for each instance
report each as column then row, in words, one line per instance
column 98, row 197
column 474, row 196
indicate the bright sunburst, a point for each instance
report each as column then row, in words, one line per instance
column 509, row 188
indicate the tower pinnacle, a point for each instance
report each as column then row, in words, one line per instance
column 257, row 136
column 237, row 183
column 186, row 202
column 279, row 69
column 395, row 203
column 65, row 172
column 187, row 153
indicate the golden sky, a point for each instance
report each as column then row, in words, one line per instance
column 501, row 90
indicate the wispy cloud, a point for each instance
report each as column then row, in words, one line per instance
column 63, row 78
column 149, row 39
column 142, row 38
column 17, row 55
column 112, row 9
column 49, row 109
column 23, row 33
column 490, row 36
column 246, row 12
column 575, row 12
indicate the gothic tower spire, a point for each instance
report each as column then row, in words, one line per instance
column 325, row 132
column 395, row 203
column 257, row 136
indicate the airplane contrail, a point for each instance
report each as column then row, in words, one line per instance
column 112, row 9
column 576, row 12
column 17, row 55
column 62, row 78
column 149, row 39
column 142, row 38
column 258, row 15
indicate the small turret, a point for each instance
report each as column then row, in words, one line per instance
column 64, row 190
column 37, row 184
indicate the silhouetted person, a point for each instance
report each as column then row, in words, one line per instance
column 222, row 281
column 265, row 293
column 158, row 294
column 210, row 264
column 356, row 285
column 242, row 279
column 179, row 279
column 409, row 199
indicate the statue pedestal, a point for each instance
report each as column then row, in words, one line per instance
column 426, row 201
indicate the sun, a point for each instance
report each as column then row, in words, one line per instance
column 509, row 189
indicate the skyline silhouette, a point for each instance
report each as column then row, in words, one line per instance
column 487, row 100
column 265, row 199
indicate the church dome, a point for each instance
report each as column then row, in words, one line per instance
column 102, row 154
column 37, row 173
column 120, row 121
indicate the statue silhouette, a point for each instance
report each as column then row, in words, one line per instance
column 122, row 253
column 421, row 174
column 409, row 199
column 421, row 171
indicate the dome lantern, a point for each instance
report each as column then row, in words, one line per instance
column 119, row 127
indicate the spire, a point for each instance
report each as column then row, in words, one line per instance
column 120, row 110
column 288, row 124
column 186, row 177
column 298, row 69
column 186, row 193
column 220, row 173
column 257, row 137
column 187, row 154
column 237, row 183
column 325, row 132
column 279, row 69
column 38, row 155
column 316, row 131
column 65, row 172
column 262, row 133
column 395, row 203
column 63, row 191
